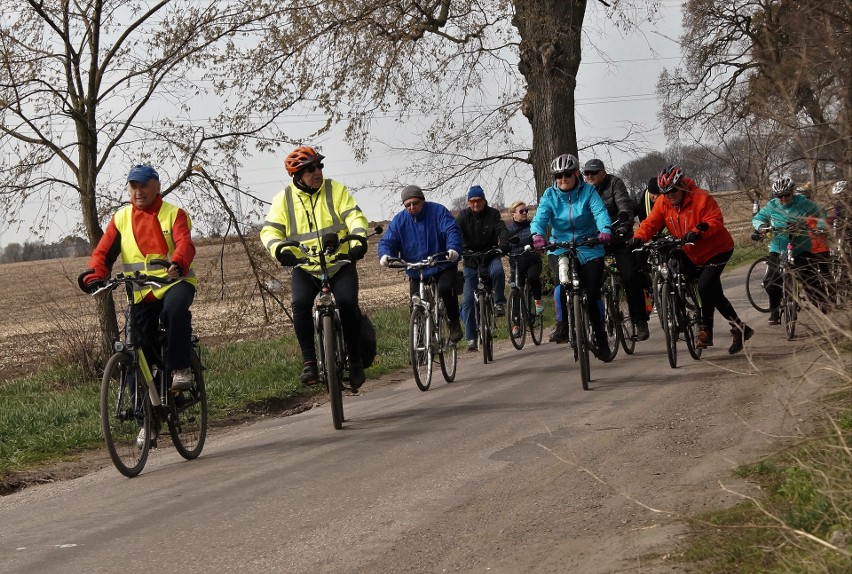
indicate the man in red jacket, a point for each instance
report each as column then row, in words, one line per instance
column 148, row 229
column 681, row 207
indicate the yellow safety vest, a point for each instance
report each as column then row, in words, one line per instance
column 133, row 259
column 304, row 217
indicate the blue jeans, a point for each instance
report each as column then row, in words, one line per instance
column 498, row 281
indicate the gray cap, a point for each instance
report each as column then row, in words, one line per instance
column 411, row 191
column 593, row 165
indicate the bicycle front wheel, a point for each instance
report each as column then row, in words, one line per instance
column 692, row 320
column 332, row 372
column 581, row 338
column 125, row 413
column 517, row 323
column 628, row 329
column 534, row 320
column 188, row 415
column 612, row 325
column 419, row 348
column 755, row 285
column 447, row 356
column 484, row 324
column 667, row 316
column 790, row 311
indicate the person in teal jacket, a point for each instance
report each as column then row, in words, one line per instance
column 788, row 210
column 574, row 210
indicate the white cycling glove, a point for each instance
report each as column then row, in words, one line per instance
column 452, row 255
column 384, row 261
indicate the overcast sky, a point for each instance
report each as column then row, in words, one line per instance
column 612, row 93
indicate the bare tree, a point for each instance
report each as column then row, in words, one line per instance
column 477, row 69
column 89, row 89
column 780, row 61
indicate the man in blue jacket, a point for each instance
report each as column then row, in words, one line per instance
column 423, row 229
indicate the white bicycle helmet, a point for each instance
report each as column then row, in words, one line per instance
column 839, row 187
column 563, row 163
column 783, row 186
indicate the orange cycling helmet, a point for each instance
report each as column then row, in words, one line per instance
column 668, row 178
column 300, row 158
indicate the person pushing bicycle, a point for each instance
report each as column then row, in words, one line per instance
column 423, row 229
column 148, row 229
column 691, row 214
column 788, row 209
column 312, row 210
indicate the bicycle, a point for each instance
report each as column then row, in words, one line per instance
column 131, row 417
column 789, row 306
column 580, row 331
column 520, row 317
column 483, row 296
column 619, row 326
column 429, row 327
column 332, row 355
column 756, row 281
column 680, row 305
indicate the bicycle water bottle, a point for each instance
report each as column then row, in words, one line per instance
column 564, row 271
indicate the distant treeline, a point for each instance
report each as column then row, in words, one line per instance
column 71, row 246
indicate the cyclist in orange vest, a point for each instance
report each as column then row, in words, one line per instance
column 147, row 229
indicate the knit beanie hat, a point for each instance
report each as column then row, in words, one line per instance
column 412, row 191
column 475, row 192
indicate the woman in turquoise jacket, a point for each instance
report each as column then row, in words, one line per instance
column 574, row 211
column 787, row 209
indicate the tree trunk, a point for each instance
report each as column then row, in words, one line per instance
column 549, row 60
column 86, row 179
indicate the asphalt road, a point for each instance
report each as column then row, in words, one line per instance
column 513, row 468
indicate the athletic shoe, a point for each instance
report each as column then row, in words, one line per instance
column 775, row 317
column 310, row 374
column 140, row 439
column 642, row 332
column 356, row 375
column 456, row 334
column 500, row 310
column 472, row 346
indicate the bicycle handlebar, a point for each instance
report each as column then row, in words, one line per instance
column 431, row 261
column 482, row 254
column 591, row 241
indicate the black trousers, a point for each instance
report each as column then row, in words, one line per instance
column 446, row 291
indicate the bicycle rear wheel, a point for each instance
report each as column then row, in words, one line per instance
column 517, row 323
column 447, row 356
column 581, row 338
column 755, row 281
column 332, row 371
column 692, row 320
column 628, row 329
column 535, row 322
column 790, row 306
column 667, row 316
column 418, row 345
column 611, row 323
column 188, row 415
column 124, row 413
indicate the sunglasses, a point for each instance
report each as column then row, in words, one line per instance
column 313, row 167
column 475, row 200
column 412, row 203
column 785, row 196
column 563, row 175
column 524, row 211
column 591, row 172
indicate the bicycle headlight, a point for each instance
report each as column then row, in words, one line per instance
column 325, row 298
column 118, row 346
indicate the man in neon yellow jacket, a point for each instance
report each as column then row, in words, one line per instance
column 305, row 211
column 151, row 229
